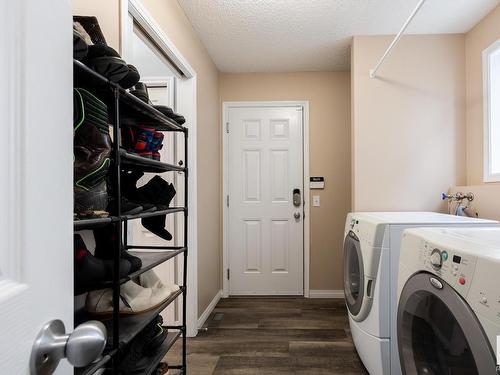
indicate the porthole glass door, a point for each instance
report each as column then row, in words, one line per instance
column 353, row 273
column 438, row 333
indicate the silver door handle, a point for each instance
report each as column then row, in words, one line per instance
column 80, row 348
column 296, row 215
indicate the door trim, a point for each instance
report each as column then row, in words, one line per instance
column 226, row 106
column 186, row 103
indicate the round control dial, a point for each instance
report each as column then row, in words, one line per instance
column 436, row 259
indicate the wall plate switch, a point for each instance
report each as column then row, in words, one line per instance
column 316, row 201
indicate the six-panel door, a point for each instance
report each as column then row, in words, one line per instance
column 265, row 227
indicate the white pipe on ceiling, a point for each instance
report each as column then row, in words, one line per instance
column 373, row 72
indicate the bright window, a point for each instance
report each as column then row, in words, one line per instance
column 491, row 83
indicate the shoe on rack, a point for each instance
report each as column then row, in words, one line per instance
column 130, row 208
column 105, row 242
column 127, row 207
column 107, row 62
column 129, row 179
column 91, row 203
column 91, row 149
column 134, row 299
column 92, row 29
column 156, row 145
column 167, row 111
column 92, row 143
column 101, row 58
column 142, row 346
column 91, row 271
column 140, row 90
column 131, row 78
column 143, row 141
column 151, row 280
column 160, row 193
column 80, row 46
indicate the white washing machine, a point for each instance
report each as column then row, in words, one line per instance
column 371, row 261
column 449, row 301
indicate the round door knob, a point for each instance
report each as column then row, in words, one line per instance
column 296, row 215
column 80, row 348
column 86, row 343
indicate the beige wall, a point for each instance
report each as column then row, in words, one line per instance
column 172, row 20
column 329, row 105
column 476, row 40
column 408, row 124
column 108, row 14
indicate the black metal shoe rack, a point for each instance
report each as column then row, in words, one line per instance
column 126, row 110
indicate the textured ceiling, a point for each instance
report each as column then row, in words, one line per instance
column 314, row 35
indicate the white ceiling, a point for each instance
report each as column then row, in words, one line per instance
column 314, row 35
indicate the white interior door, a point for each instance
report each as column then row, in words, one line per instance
column 162, row 92
column 265, row 166
column 36, row 187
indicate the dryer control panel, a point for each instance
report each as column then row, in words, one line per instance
column 456, row 268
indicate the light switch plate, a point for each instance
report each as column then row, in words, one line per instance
column 316, row 201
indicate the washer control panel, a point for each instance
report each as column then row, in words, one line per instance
column 455, row 268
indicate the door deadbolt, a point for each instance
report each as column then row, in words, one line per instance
column 296, row 215
column 297, row 201
column 80, row 348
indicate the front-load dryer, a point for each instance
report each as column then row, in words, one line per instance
column 449, row 301
column 371, row 259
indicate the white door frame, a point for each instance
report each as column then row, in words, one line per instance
column 226, row 106
column 186, row 103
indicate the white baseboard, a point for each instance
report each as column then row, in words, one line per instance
column 203, row 318
column 323, row 293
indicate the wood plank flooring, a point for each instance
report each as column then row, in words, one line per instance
column 273, row 336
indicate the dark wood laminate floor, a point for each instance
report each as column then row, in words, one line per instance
column 274, row 336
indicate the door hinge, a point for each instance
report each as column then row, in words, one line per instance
column 227, row 127
column 228, row 273
column 227, row 200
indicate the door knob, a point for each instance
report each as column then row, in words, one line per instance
column 80, row 348
column 296, row 215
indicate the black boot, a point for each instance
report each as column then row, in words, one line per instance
column 91, row 271
column 105, row 242
column 160, row 193
column 129, row 190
